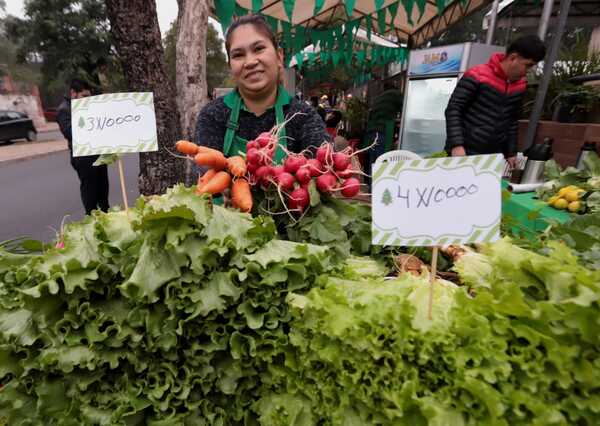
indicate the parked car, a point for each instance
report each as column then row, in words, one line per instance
column 16, row 125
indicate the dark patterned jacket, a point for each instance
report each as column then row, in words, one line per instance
column 483, row 112
column 304, row 130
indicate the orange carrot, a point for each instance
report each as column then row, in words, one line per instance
column 241, row 196
column 219, row 183
column 215, row 160
column 203, row 180
column 186, row 147
column 236, row 165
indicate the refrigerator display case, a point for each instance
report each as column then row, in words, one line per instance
column 431, row 78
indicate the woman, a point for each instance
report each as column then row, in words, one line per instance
column 259, row 102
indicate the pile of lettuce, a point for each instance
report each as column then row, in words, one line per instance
column 518, row 346
column 179, row 313
column 168, row 314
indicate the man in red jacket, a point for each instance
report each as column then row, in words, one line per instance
column 483, row 111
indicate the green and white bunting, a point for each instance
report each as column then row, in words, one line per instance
column 429, row 202
column 113, row 123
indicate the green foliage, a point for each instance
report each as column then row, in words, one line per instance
column 67, row 38
column 22, row 74
column 167, row 314
column 182, row 313
column 356, row 114
column 521, row 350
column 573, row 60
column 217, row 69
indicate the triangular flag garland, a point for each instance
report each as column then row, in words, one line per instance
column 227, row 9
column 257, row 5
column 337, row 45
column 349, row 7
column 288, row 5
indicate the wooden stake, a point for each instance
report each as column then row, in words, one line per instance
column 122, row 179
column 434, row 256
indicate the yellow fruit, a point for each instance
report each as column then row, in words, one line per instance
column 563, row 191
column 552, row 199
column 561, row 204
column 572, row 195
column 574, row 206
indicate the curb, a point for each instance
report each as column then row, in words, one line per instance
column 31, row 157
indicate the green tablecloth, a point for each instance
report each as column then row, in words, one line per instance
column 526, row 214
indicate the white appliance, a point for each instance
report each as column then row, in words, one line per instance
column 431, row 78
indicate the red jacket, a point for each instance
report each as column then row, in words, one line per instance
column 483, row 112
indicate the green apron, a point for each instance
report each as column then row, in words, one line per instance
column 234, row 144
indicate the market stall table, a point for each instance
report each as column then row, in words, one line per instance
column 529, row 214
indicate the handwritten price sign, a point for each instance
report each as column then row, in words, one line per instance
column 438, row 201
column 113, row 123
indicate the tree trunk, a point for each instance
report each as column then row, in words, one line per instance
column 134, row 26
column 190, row 65
column 594, row 46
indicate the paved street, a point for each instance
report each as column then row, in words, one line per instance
column 36, row 194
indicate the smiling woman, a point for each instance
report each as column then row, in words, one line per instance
column 259, row 101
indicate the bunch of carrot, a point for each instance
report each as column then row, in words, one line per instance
column 223, row 173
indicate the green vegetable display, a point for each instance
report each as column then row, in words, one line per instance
column 168, row 318
column 522, row 351
column 178, row 313
column 587, row 181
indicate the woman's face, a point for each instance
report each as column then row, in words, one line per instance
column 254, row 62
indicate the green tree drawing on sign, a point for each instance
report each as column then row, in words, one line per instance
column 387, row 197
column 81, row 123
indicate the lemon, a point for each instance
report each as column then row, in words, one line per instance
column 574, row 206
column 572, row 195
column 561, row 204
column 563, row 191
column 552, row 199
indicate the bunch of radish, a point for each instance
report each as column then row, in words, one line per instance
column 331, row 171
column 223, row 174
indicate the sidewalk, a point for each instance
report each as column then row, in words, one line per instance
column 23, row 150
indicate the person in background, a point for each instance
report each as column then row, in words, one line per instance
column 381, row 123
column 93, row 180
column 324, row 103
column 315, row 104
column 332, row 121
column 483, row 111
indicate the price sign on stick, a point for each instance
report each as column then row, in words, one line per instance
column 114, row 123
column 434, row 202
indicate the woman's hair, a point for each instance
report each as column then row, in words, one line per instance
column 258, row 22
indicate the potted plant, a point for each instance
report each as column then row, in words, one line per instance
column 577, row 104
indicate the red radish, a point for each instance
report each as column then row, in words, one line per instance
column 315, row 167
column 299, row 199
column 252, row 156
column 264, row 139
column 277, row 170
column 347, row 173
column 293, row 163
column 263, row 174
column 324, row 153
column 326, row 182
column 303, row 175
column 350, row 187
column 252, row 144
column 285, row 181
column 252, row 168
column 341, row 161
